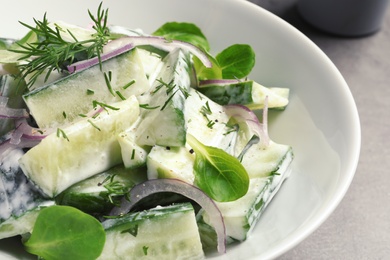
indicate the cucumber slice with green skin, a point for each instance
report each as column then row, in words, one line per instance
column 90, row 147
column 23, row 224
column 241, row 216
column 93, row 194
column 151, row 58
column 207, row 121
column 11, row 88
column 167, row 232
column 248, row 93
column 267, row 169
column 260, row 162
column 173, row 162
column 20, row 201
column 133, row 155
column 163, row 121
column 62, row 101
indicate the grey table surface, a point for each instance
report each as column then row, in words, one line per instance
column 359, row 228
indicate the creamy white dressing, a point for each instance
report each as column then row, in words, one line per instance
column 17, row 193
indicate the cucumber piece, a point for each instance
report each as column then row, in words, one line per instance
column 151, row 58
column 208, row 122
column 133, row 155
column 267, row 169
column 241, row 216
column 20, row 201
column 172, row 162
column 11, row 88
column 90, row 147
column 248, row 93
column 62, row 101
column 99, row 194
column 163, row 122
column 160, row 233
column 260, row 162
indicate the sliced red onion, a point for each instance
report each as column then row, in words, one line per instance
column 6, row 112
column 163, row 44
column 25, row 135
column 243, row 114
column 265, row 120
column 94, row 112
column 150, row 187
column 81, row 65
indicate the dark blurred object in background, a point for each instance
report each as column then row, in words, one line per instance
column 344, row 17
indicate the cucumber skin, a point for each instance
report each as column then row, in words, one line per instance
column 138, row 235
column 55, row 164
column 12, row 88
column 165, row 125
column 90, row 195
column 248, row 93
column 239, row 93
column 248, row 210
column 62, row 101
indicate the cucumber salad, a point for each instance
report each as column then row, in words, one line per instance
column 121, row 144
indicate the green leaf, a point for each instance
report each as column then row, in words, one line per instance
column 220, row 175
column 63, row 232
column 236, row 61
column 187, row 32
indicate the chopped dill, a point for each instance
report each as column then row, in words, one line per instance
column 147, row 106
column 120, row 95
column 93, row 124
column 61, row 133
column 96, row 103
column 129, row 84
column 107, row 79
column 90, row 92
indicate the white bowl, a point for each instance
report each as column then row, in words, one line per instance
column 321, row 122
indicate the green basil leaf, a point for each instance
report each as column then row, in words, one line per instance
column 187, row 32
column 236, row 61
column 63, row 232
column 220, row 175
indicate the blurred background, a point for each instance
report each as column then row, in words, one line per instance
column 359, row 228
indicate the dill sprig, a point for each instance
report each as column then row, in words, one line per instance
column 115, row 189
column 51, row 52
column 206, row 111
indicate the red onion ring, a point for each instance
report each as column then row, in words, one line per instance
column 124, row 44
column 265, row 121
column 162, row 43
column 84, row 64
column 244, row 114
column 26, row 136
column 149, row 187
column 7, row 112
